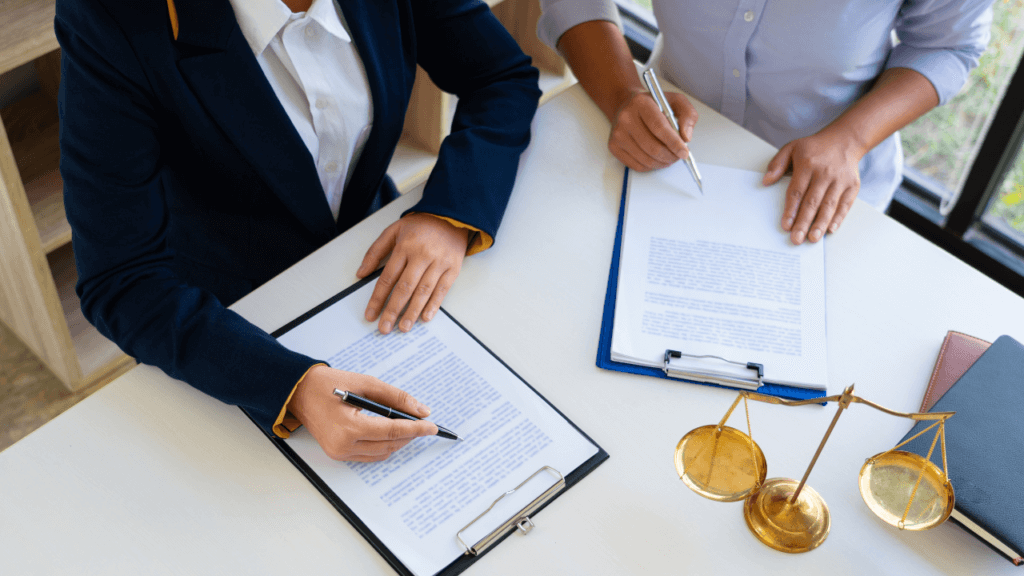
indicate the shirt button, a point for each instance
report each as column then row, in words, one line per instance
column 736, row 73
column 321, row 103
column 331, row 167
column 749, row 16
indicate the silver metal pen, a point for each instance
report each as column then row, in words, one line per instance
column 659, row 97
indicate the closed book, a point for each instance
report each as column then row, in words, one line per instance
column 985, row 447
column 958, row 353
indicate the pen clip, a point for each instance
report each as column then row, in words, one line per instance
column 650, row 88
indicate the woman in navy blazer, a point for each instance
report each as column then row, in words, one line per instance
column 187, row 186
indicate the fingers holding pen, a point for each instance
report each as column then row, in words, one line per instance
column 686, row 114
column 642, row 136
column 341, row 430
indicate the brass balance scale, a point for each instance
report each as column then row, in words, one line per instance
column 724, row 464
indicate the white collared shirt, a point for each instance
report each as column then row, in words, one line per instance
column 313, row 66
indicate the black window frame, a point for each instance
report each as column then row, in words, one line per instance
column 963, row 232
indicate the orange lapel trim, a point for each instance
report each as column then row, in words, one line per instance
column 174, row 17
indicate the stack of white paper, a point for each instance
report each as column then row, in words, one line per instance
column 717, row 275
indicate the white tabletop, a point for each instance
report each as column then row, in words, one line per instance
column 150, row 476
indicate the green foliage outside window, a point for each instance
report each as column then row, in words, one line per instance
column 942, row 143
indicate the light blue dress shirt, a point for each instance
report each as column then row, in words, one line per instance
column 784, row 69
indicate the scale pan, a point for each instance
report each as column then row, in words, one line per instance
column 887, row 481
column 724, row 465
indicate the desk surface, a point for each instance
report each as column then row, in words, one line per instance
column 151, row 476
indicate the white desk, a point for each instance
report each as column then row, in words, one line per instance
column 150, row 476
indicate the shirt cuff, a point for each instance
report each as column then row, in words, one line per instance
column 287, row 423
column 478, row 241
column 947, row 70
column 559, row 16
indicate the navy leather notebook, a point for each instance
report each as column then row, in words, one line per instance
column 985, row 447
column 604, row 345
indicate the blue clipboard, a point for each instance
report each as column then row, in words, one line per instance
column 604, row 345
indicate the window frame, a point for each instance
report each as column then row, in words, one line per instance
column 963, row 232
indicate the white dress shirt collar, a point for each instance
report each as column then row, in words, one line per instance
column 261, row 20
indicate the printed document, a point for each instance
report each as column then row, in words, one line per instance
column 717, row 275
column 419, row 498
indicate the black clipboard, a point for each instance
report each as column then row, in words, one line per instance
column 466, row 560
column 604, row 345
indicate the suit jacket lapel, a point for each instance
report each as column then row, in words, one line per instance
column 230, row 84
column 390, row 70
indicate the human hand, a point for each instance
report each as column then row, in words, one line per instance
column 425, row 258
column 643, row 138
column 342, row 430
column 826, row 180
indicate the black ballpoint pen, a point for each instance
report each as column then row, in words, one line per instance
column 387, row 412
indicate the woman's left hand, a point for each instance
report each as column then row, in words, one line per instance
column 425, row 258
column 826, row 179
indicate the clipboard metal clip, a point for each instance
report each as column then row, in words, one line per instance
column 520, row 520
column 688, row 374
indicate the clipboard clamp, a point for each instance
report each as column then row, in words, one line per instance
column 521, row 520
column 749, row 383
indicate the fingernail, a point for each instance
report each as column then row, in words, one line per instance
column 815, row 234
column 385, row 327
column 424, row 410
column 789, row 223
column 833, row 227
column 799, row 238
column 406, row 325
column 429, row 315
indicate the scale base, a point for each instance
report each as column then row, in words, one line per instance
column 784, row 526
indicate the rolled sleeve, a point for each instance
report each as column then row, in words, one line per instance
column 943, row 40
column 558, row 16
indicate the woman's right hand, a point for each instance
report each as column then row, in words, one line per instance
column 341, row 430
column 643, row 138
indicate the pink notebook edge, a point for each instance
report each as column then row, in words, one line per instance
column 933, row 383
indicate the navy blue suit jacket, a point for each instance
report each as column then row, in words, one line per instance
column 187, row 186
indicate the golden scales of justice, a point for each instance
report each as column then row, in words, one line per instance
column 726, row 465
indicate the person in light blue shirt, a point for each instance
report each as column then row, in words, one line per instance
column 829, row 82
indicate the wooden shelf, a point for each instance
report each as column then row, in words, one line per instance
column 46, row 196
column 37, row 289
column 96, row 354
column 26, row 31
column 33, row 130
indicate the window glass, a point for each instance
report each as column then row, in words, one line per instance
column 640, row 9
column 1005, row 210
column 942, row 144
